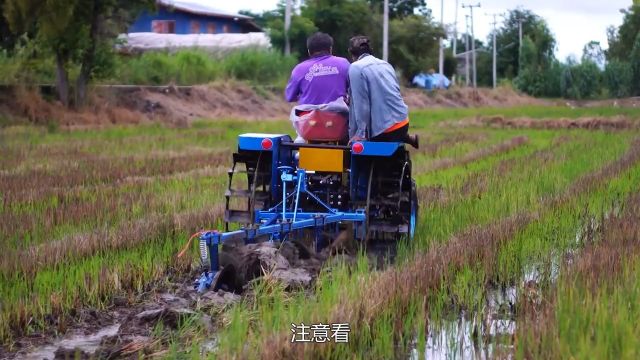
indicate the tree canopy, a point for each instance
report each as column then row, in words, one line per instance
column 621, row 40
column 80, row 31
column 413, row 44
column 507, row 38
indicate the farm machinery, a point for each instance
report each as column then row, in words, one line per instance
column 280, row 190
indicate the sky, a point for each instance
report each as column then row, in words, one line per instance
column 573, row 22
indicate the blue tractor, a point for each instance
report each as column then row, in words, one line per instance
column 279, row 190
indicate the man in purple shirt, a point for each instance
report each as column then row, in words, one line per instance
column 322, row 78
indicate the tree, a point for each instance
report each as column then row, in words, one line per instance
column 580, row 80
column 634, row 60
column 413, row 44
column 7, row 38
column 617, row 78
column 621, row 40
column 273, row 22
column 528, row 79
column 401, row 8
column 593, row 52
column 81, row 31
column 342, row 20
column 507, row 38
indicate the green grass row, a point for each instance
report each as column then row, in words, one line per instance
column 531, row 111
column 184, row 67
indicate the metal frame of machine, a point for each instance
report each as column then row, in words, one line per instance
column 338, row 186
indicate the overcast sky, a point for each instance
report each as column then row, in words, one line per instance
column 574, row 22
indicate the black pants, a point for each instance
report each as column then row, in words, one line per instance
column 397, row 135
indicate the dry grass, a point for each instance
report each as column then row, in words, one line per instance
column 588, row 123
column 89, row 170
column 127, row 235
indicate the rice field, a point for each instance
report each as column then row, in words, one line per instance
column 527, row 245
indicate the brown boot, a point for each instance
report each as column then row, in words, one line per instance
column 413, row 141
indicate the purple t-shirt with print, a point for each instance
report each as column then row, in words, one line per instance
column 319, row 80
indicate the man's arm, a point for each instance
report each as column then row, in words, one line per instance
column 292, row 91
column 360, row 107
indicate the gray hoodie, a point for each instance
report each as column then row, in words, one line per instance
column 375, row 100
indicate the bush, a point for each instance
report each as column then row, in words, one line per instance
column 581, row 81
column 190, row 67
column 258, row 66
column 617, row 78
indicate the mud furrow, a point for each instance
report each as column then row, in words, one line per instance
column 93, row 204
column 127, row 235
column 103, row 171
column 445, row 163
column 588, row 123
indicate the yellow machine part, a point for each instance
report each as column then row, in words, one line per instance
column 329, row 160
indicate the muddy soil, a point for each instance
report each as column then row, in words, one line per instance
column 180, row 105
column 126, row 328
column 467, row 97
column 589, row 123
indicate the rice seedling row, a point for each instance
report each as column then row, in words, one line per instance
column 88, row 216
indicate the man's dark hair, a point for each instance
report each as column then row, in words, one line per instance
column 359, row 45
column 319, row 43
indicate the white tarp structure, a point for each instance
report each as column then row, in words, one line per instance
column 140, row 42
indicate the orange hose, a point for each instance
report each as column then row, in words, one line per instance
column 186, row 247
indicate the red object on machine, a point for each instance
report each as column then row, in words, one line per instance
column 357, row 148
column 266, row 144
column 319, row 125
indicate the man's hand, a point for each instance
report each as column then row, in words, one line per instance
column 355, row 139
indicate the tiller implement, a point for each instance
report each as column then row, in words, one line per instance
column 279, row 190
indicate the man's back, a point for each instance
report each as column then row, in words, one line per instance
column 318, row 80
column 376, row 97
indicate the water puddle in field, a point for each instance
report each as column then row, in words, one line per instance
column 80, row 343
column 480, row 335
column 490, row 332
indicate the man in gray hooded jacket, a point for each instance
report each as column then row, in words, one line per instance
column 377, row 111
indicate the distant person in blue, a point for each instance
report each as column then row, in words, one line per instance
column 431, row 81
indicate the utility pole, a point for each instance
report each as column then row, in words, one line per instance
column 473, row 44
column 495, row 51
column 466, row 53
column 385, row 32
column 441, row 41
column 385, row 28
column 287, row 26
column 455, row 30
column 455, row 43
column 520, row 33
